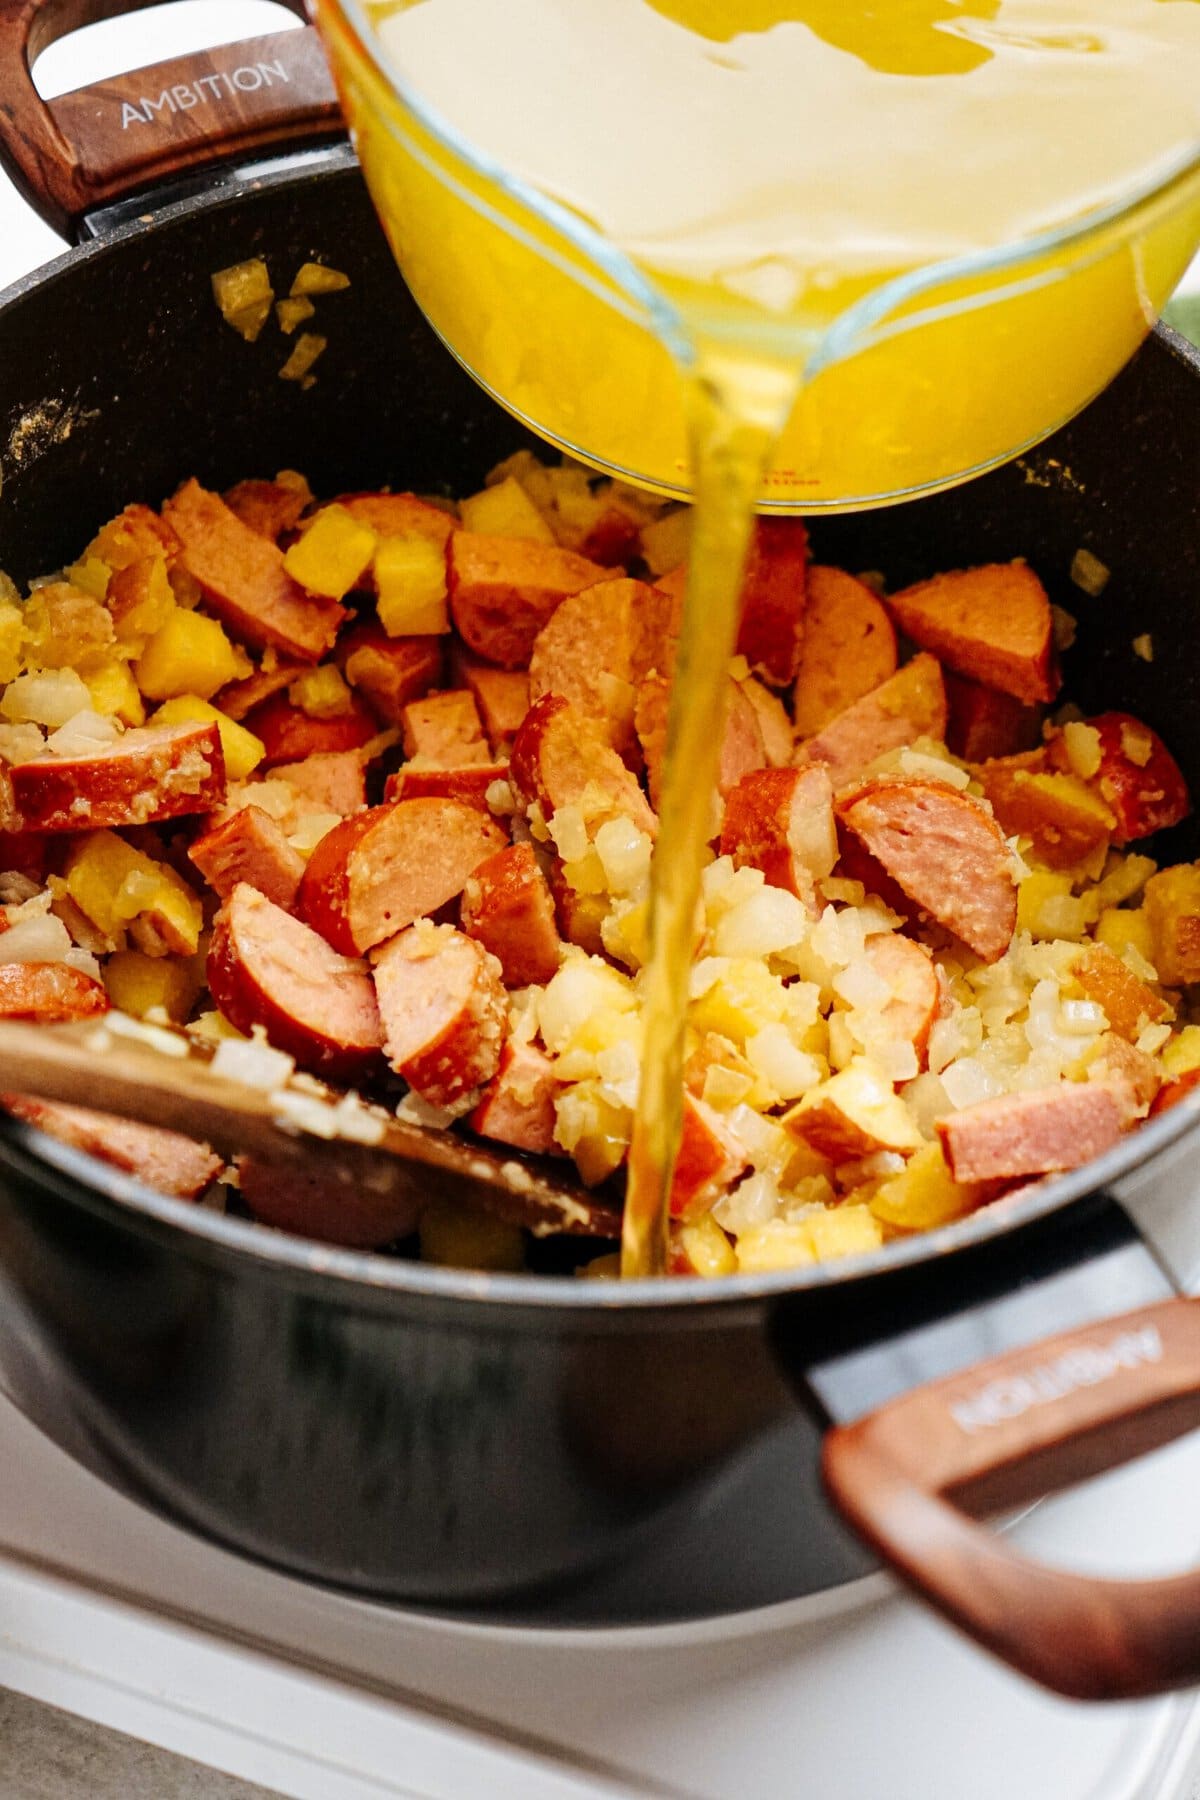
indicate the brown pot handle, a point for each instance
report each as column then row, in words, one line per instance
column 1004, row 1432
column 120, row 136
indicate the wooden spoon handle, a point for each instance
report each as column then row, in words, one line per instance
column 1005, row 1432
column 124, row 135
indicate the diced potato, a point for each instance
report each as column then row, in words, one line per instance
column 410, row 575
column 818, row 1237
column 243, row 751
column 1047, row 908
column 317, row 278
column 91, row 576
column 1182, row 1054
column 1172, row 907
column 190, row 654
column 12, row 637
column 923, row 1195
column 321, row 693
column 854, row 1114
column 505, row 511
column 455, row 1237
column 243, row 293
column 332, row 554
column 1121, row 930
column 141, row 600
column 138, row 984
column 702, row 1248
column 291, row 313
column 114, row 885
column 309, row 346
column 666, row 542
column 114, row 692
column 744, row 998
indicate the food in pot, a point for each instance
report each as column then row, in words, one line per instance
column 368, row 787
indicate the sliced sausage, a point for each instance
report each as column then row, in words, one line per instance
column 241, row 697
column 1129, row 1070
column 503, row 590
column 778, row 736
column 375, row 873
column 911, row 705
column 289, row 734
column 984, row 723
column 742, row 747
column 399, row 515
column 326, row 1204
column 992, row 624
column 781, row 821
column 444, row 1012
column 507, row 907
column 599, row 647
column 1064, row 818
column 561, row 758
column 1038, row 1133
column 160, row 1159
column 268, row 507
column 444, row 730
column 49, row 992
column 774, row 591
column 331, row 780
column 243, row 580
column 502, row 698
column 1138, row 777
column 944, row 852
column 470, row 783
column 1129, row 1005
column 710, row 1160
column 517, row 1105
column 249, row 846
column 848, row 649
column 908, row 1014
column 267, row 968
column 390, row 671
column 156, row 772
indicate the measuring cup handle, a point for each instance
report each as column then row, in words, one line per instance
column 909, row 1475
column 126, row 134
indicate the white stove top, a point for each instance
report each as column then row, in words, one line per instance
column 110, row 1612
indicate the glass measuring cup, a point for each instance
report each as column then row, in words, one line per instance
column 920, row 381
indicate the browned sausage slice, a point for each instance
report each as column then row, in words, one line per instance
column 161, row 1159
column 560, row 757
column 991, row 624
column 944, row 852
column 444, row 729
column 912, row 704
column 50, row 992
column 912, row 1006
column 470, row 783
column 502, row 697
column 267, row 968
column 375, row 873
column 781, row 821
column 507, row 907
column 597, row 650
column 241, row 697
column 742, row 746
column 773, row 599
column 1039, row 1133
column 249, row 846
column 242, row 577
column 444, row 1012
column 156, row 772
column 330, row 780
column 517, row 1105
column 503, row 590
column 710, row 1160
column 391, row 672
column 848, row 649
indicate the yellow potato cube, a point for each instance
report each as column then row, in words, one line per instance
column 243, row 751
column 744, row 998
column 142, row 602
column 114, row 885
column 138, row 984
column 12, row 637
column 1047, row 908
column 410, row 576
column 332, row 554
column 1182, row 1054
column 703, row 1246
column 114, row 692
column 923, row 1195
column 316, row 278
column 665, row 543
column 505, row 511
column 190, row 654
column 91, row 576
column 1121, row 930
column 455, row 1237
column 1172, row 906
column 321, row 693
column 818, row 1237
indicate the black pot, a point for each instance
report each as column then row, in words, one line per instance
column 460, row 1440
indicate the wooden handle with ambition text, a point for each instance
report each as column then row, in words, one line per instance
column 125, row 134
column 909, row 1477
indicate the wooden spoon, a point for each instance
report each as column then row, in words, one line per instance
column 404, row 1168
